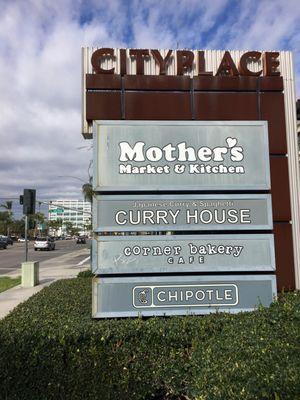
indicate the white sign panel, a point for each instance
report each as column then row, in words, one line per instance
column 183, row 253
column 182, row 212
column 180, row 295
column 168, row 156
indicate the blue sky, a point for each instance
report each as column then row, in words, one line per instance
column 40, row 69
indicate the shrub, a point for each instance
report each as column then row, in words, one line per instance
column 50, row 348
column 87, row 273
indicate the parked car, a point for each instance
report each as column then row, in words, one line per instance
column 68, row 237
column 44, row 243
column 22, row 240
column 3, row 244
column 81, row 240
column 7, row 239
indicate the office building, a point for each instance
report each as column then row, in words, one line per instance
column 77, row 212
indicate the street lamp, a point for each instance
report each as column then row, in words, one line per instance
column 86, row 188
column 70, row 176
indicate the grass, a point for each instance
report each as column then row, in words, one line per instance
column 7, row 283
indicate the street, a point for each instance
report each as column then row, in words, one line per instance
column 13, row 256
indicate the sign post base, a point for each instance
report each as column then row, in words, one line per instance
column 30, row 273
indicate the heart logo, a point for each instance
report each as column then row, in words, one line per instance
column 231, row 142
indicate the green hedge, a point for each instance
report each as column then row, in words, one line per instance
column 51, row 349
column 87, row 273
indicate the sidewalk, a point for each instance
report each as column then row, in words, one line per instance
column 63, row 267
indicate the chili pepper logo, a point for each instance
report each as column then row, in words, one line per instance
column 142, row 296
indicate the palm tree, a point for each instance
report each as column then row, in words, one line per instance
column 87, row 190
column 55, row 224
column 39, row 219
column 68, row 226
column 8, row 206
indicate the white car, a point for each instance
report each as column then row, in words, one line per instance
column 44, row 243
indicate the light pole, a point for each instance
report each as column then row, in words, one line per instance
column 70, row 176
column 86, row 188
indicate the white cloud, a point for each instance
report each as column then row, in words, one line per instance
column 40, row 98
column 40, row 68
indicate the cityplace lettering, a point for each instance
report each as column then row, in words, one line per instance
column 186, row 61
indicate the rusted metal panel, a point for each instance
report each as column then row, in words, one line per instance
column 280, row 188
column 225, row 83
column 102, row 105
column 178, row 83
column 272, row 110
column 98, row 81
column 160, row 82
column 226, row 106
column 285, row 272
column 159, row 106
column 273, row 84
column 238, row 83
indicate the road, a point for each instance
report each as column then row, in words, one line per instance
column 13, row 256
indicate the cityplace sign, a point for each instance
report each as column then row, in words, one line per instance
column 139, row 156
column 186, row 60
column 128, row 213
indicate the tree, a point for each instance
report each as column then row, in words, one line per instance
column 5, row 222
column 7, row 206
column 54, row 225
column 68, row 226
column 88, row 227
column 87, row 191
column 74, row 231
column 17, row 227
column 37, row 219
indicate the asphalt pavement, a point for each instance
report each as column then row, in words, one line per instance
column 12, row 257
column 64, row 266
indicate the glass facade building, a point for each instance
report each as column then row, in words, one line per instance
column 77, row 212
